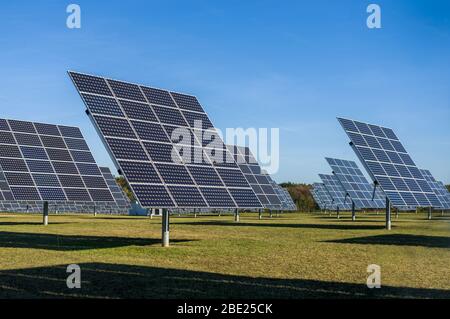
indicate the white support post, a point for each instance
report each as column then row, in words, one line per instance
column 45, row 214
column 165, row 227
column 430, row 213
column 260, row 214
column 353, row 211
column 236, row 215
column 388, row 214
column 337, row 212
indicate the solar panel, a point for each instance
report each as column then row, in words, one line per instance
column 37, row 164
column 390, row 165
column 121, row 199
column 141, row 127
column 323, row 197
column 317, row 198
column 356, row 185
column 337, row 193
column 287, row 204
column 438, row 188
column 258, row 179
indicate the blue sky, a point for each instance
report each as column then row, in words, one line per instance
column 295, row 65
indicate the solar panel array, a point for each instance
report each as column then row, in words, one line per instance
column 390, row 165
column 259, row 180
column 44, row 162
column 122, row 201
column 317, row 198
column 323, row 196
column 337, row 193
column 164, row 145
column 438, row 188
column 356, row 185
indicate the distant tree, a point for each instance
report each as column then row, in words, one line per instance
column 448, row 187
column 125, row 187
column 301, row 194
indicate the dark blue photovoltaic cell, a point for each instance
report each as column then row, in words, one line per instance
column 19, row 179
column 10, row 164
column 65, row 168
column 244, row 197
column 115, row 127
column 232, row 178
column 46, row 180
column 82, row 156
column 153, row 196
column 161, row 152
column 94, row 182
column 157, row 96
column 68, row 131
column 56, row 154
column 102, row 105
column 71, row 181
column 101, row 195
column 126, row 91
column 88, row 169
column 205, row 176
column 39, row 166
column 53, row 141
column 90, row 84
column 169, row 116
column 22, row 126
column 187, row 102
column 52, row 194
column 76, row 144
column 182, row 135
column 335, row 190
column 11, row 151
column 187, row 196
column 47, row 129
column 127, row 149
column 140, row 172
column 27, row 139
column 77, row 194
column 25, row 193
column 7, row 138
column 150, row 131
column 198, row 120
column 138, row 111
column 4, row 125
column 174, row 174
column 34, row 152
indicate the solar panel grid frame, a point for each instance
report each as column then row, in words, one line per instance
column 25, row 177
column 355, row 184
column 324, row 196
column 438, row 188
column 120, row 198
column 317, row 198
column 336, row 191
column 389, row 164
column 260, row 181
column 160, row 195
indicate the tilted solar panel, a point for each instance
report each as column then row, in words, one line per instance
column 356, row 185
column 390, row 165
column 323, row 196
column 122, row 201
column 159, row 142
column 42, row 162
column 438, row 188
column 336, row 192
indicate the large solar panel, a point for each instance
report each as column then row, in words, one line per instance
column 390, row 165
column 317, row 198
column 323, row 197
column 337, row 193
column 164, row 144
column 438, row 188
column 121, row 199
column 258, row 179
column 356, row 185
column 44, row 162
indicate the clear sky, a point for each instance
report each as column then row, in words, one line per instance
column 295, row 65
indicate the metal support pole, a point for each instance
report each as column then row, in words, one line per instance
column 388, row 214
column 95, row 211
column 165, row 228
column 195, row 213
column 337, row 211
column 396, row 213
column 45, row 213
column 260, row 214
column 236, row 215
column 270, row 212
column 430, row 213
column 353, row 211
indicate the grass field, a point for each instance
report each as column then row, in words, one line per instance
column 291, row 256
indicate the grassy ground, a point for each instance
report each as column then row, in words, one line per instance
column 291, row 256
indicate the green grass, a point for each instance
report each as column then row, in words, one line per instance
column 291, row 256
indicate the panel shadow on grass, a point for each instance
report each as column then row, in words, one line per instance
column 398, row 240
column 74, row 242
column 99, row 280
column 341, row 226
